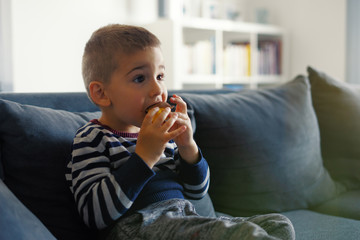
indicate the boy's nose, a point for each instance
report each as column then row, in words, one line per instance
column 156, row 88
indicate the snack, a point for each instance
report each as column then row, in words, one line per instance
column 161, row 106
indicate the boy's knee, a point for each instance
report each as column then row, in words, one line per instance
column 279, row 226
column 276, row 225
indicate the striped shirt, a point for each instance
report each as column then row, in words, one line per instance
column 108, row 179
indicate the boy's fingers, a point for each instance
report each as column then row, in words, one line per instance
column 180, row 103
column 160, row 117
column 177, row 132
column 173, row 117
column 150, row 115
column 182, row 116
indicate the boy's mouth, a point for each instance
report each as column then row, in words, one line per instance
column 158, row 104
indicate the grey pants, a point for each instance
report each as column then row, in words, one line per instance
column 176, row 219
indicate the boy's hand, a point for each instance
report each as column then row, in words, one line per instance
column 155, row 133
column 188, row 149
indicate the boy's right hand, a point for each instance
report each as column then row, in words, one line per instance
column 154, row 134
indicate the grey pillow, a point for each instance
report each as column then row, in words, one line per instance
column 16, row 221
column 337, row 106
column 35, row 148
column 263, row 148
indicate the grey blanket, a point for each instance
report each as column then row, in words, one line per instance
column 176, row 219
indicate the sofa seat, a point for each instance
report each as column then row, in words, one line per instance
column 345, row 205
column 317, row 226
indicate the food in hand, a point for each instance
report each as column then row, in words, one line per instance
column 161, row 106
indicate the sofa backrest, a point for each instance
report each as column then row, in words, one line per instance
column 72, row 101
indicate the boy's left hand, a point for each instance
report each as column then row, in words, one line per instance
column 188, row 149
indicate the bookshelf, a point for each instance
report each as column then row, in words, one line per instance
column 216, row 53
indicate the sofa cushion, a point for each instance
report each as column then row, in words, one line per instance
column 337, row 106
column 16, row 221
column 345, row 205
column 204, row 207
column 263, row 148
column 35, row 147
column 316, row 226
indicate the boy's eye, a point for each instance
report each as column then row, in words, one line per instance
column 160, row 77
column 139, row 79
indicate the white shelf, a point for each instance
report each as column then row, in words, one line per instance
column 227, row 25
column 212, row 64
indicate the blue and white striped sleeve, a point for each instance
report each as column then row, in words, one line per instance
column 102, row 194
column 195, row 178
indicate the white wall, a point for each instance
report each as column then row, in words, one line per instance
column 49, row 37
column 6, row 83
column 317, row 32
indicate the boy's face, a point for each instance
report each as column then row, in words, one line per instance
column 137, row 83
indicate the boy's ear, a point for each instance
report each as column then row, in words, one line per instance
column 98, row 95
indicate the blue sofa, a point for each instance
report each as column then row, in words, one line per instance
column 291, row 149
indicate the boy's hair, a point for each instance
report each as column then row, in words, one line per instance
column 102, row 51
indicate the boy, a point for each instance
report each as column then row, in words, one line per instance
column 131, row 170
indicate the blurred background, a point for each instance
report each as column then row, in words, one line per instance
column 42, row 41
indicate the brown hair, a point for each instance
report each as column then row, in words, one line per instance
column 105, row 45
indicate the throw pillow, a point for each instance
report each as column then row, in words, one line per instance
column 35, row 147
column 337, row 106
column 263, row 148
column 16, row 221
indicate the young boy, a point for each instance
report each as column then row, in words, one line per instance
column 132, row 167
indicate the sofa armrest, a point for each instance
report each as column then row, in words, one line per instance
column 16, row 221
column 1, row 167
